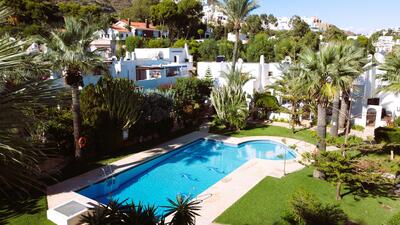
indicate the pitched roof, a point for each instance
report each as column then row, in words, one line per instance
column 120, row 29
column 141, row 25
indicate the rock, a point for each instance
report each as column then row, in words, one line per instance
column 318, row 174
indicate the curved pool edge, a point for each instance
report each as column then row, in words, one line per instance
column 66, row 190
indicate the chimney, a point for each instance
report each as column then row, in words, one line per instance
column 129, row 21
column 147, row 23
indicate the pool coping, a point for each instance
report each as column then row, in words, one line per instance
column 64, row 191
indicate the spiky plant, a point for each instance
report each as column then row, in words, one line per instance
column 229, row 101
column 183, row 209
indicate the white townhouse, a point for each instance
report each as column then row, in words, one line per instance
column 150, row 67
column 369, row 107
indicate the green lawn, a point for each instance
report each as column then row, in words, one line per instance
column 32, row 212
column 304, row 135
column 267, row 202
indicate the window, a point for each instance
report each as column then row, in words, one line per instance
column 140, row 74
column 270, row 73
column 373, row 101
column 172, row 71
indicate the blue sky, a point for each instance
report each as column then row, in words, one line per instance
column 361, row 16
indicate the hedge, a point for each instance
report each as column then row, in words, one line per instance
column 387, row 135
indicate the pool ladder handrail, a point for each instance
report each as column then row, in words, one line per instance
column 206, row 196
column 110, row 175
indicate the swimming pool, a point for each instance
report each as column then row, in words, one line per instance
column 188, row 170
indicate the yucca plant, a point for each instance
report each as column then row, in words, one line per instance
column 183, row 209
column 122, row 100
column 229, row 101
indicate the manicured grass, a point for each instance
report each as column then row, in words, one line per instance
column 32, row 212
column 304, row 135
column 268, row 201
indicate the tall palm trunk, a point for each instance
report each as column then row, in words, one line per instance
column 344, row 107
column 321, row 126
column 235, row 49
column 76, row 113
column 294, row 116
column 335, row 115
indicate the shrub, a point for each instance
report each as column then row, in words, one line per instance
column 158, row 43
column 339, row 141
column 264, row 105
column 358, row 128
column 396, row 122
column 190, row 95
column 387, row 135
column 395, row 220
column 156, row 116
column 58, row 128
column 107, row 108
column 306, row 208
column 133, row 42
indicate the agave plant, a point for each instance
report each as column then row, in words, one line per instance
column 121, row 99
column 120, row 213
column 183, row 210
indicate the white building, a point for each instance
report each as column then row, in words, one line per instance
column 284, row 23
column 242, row 37
column 119, row 32
column 369, row 108
column 214, row 15
column 385, row 44
column 263, row 74
column 150, row 67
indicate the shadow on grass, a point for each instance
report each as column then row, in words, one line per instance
column 14, row 206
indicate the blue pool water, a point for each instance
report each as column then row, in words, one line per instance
column 189, row 170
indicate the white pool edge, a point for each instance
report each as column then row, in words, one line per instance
column 224, row 193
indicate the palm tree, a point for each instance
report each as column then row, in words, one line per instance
column 350, row 61
column 289, row 88
column 183, row 210
column 320, row 78
column 69, row 51
column 237, row 11
column 19, row 154
column 391, row 77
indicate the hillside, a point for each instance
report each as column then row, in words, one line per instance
column 111, row 5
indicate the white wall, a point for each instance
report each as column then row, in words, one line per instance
column 262, row 73
column 162, row 53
